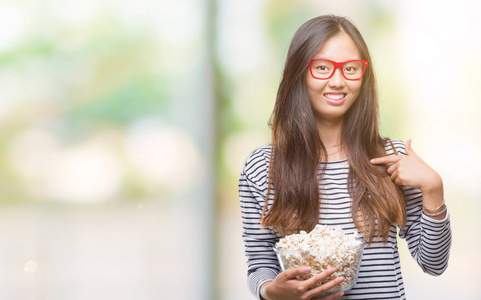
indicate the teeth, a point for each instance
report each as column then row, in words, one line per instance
column 334, row 96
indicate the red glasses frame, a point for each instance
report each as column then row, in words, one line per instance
column 338, row 65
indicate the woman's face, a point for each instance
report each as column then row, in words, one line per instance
column 332, row 98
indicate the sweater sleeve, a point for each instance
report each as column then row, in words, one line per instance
column 428, row 239
column 262, row 264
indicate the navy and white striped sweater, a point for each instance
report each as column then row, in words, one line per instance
column 429, row 240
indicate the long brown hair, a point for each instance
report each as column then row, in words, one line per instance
column 296, row 146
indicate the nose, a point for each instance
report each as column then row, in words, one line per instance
column 337, row 79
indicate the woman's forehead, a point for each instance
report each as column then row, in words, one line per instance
column 340, row 47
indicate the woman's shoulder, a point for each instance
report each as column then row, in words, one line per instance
column 257, row 162
column 394, row 146
column 264, row 150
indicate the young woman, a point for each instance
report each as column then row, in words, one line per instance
column 327, row 164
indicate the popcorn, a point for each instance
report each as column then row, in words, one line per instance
column 321, row 249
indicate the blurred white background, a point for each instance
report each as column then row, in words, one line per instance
column 125, row 125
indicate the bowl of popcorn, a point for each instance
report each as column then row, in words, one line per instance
column 321, row 249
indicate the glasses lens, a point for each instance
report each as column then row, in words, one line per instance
column 353, row 69
column 321, row 69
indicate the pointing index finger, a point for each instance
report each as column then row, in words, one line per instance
column 391, row 159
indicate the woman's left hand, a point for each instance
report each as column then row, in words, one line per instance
column 411, row 170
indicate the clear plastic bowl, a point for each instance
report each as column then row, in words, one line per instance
column 346, row 261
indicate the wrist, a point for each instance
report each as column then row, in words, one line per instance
column 434, row 187
column 263, row 290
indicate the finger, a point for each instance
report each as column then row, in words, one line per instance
column 391, row 159
column 329, row 297
column 318, row 278
column 408, row 148
column 324, row 287
column 334, row 296
column 294, row 272
column 399, row 181
column 392, row 168
column 394, row 175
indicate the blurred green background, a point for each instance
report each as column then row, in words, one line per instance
column 125, row 125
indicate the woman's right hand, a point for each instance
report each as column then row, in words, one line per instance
column 287, row 286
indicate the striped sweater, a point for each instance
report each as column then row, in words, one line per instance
column 380, row 276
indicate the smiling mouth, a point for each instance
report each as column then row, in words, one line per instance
column 335, row 97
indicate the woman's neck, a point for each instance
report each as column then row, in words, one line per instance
column 330, row 134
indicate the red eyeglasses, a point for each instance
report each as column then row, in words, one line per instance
column 324, row 68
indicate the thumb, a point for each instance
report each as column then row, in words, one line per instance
column 409, row 149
